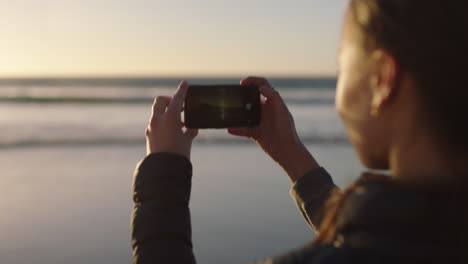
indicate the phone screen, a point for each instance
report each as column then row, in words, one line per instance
column 222, row 106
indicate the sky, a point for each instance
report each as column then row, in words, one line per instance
column 169, row 38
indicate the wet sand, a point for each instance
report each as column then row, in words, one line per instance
column 72, row 204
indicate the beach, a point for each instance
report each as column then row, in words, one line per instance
column 72, row 204
column 68, row 149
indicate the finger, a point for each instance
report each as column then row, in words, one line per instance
column 272, row 97
column 177, row 102
column 191, row 133
column 240, row 131
column 269, row 92
column 258, row 81
column 160, row 105
column 254, row 80
column 244, row 82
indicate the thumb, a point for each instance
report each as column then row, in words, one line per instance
column 191, row 133
column 240, row 131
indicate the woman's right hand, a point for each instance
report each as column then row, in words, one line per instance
column 276, row 134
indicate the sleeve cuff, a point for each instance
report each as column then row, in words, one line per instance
column 311, row 182
column 311, row 193
column 163, row 176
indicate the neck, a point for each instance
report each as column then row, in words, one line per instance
column 419, row 159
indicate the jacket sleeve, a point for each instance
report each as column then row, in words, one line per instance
column 160, row 226
column 311, row 193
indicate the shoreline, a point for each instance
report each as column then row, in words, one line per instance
column 138, row 142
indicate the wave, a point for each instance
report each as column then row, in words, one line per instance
column 117, row 116
column 295, row 91
column 139, row 100
column 140, row 141
column 75, row 100
column 149, row 82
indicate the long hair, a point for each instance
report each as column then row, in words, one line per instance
column 429, row 40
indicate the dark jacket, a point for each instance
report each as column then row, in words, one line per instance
column 380, row 221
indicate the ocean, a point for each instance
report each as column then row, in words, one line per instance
column 68, row 148
column 115, row 111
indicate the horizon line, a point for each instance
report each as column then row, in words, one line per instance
column 161, row 76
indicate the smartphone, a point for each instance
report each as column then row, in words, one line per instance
column 222, row 106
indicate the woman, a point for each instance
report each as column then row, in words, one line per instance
column 401, row 95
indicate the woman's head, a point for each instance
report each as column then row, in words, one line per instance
column 402, row 69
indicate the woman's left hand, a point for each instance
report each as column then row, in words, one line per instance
column 165, row 130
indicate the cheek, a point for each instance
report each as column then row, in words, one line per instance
column 353, row 105
column 340, row 95
column 352, row 98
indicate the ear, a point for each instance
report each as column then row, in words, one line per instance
column 384, row 80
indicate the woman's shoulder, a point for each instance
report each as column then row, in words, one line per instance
column 328, row 254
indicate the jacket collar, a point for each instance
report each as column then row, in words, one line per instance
column 381, row 213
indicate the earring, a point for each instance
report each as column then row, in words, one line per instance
column 374, row 111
